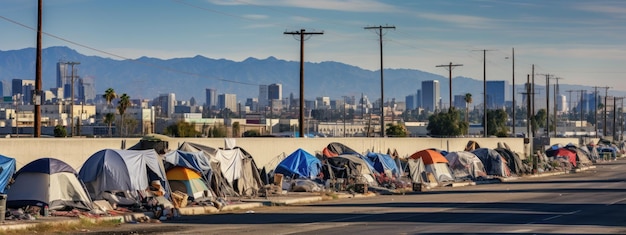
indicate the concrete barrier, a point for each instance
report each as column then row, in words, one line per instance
column 265, row 151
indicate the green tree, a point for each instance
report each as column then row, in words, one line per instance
column 251, row 133
column 468, row 100
column 446, row 124
column 122, row 105
column 496, row 123
column 396, row 130
column 181, row 129
column 60, row 131
column 236, row 129
column 109, row 118
column 540, row 119
column 218, row 131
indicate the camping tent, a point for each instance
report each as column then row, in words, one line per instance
column 48, row 182
column 350, row 166
column 383, row 163
column 217, row 182
column 188, row 181
column 435, row 163
column 299, row 164
column 334, row 149
column 416, row 169
column 197, row 162
column 7, row 169
column 466, row 165
column 568, row 154
column 122, row 170
column 494, row 163
column 514, row 162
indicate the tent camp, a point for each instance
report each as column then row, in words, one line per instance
column 351, row 167
column 48, row 182
column 466, row 165
column 217, row 182
column 568, row 154
column 122, row 170
column 514, row 162
column 334, row 149
column 494, row 164
column 188, row 181
column 435, row 163
column 300, row 164
column 7, row 169
column 417, row 170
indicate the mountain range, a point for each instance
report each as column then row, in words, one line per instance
column 146, row 78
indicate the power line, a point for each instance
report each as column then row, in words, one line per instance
column 450, row 67
column 485, row 90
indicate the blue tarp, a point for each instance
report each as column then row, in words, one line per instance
column 193, row 160
column 382, row 162
column 7, row 169
column 299, row 164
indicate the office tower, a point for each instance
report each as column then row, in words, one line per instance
column 459, row 102
column 263, row 97
column 227, row 101
column 275, row 91
column 410, row 102
column 166, row 103
column 211, row 98
column 23, row 90
column 430, row 95
column 86, row 90
column 495, row 94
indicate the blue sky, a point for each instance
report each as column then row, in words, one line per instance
column 583, row 42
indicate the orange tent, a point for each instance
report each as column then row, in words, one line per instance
column 182, row 173
column 429, row 156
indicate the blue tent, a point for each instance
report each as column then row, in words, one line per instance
column 299, row 164
column 382, row 162
column 7, row 169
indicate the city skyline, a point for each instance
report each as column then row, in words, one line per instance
column 583, row 43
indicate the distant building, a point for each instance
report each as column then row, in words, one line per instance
column 495, row 94
column 410, row 102
column 275, row 91
column 561, row 104
column 459, row 101
column 430, row 95
column 227, row 101
column 86, row 90
column 211, row 98
column 24, row 89
column 165, row 103
column 263, row 97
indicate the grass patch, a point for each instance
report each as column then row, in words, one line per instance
column 329, row 195
column 65, row 226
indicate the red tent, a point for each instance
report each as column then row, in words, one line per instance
column 566, row 153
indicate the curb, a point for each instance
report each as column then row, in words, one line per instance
column 131, row 217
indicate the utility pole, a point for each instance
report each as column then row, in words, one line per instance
column 615, row 136
column 606, row 91
column 595, row 113
column 302, row 33
column 382, row 85
column 569, row 104
column 582, row 108
column 72, row 97
column 513, row 89
column 450, row 67
column 484, row 91
column 556, row 93
column 547, row 104
column 38, row 82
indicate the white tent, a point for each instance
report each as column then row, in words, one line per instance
column 48, row 182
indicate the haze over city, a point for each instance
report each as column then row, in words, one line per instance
column 579, row 41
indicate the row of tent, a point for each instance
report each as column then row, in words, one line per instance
column 122, row 176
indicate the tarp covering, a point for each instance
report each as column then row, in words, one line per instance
column 416, row 168
column 122, row 170
column 56, row 186
column 351, row 167
column 300, row 163
column 429, row 156
column 570, row 155
column 493, row 162
column 217, row 182
column 383, row 163
column 339, row 149
column 514, row 162
column 196, row 160
column 7, row 169
column 466, row 165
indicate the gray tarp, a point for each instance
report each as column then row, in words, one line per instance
column 416, row 168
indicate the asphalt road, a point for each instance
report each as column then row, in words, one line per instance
column 590, row 202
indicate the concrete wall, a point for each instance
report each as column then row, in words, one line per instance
column 75, row 151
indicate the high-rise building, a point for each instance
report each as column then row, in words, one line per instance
column 62, row 74
column 561, row 104
column 430, row 95
column 495, row 94
column 227, row 101
column 275, row 91
column 211, row 98
column 459, row 102
column 410, row 102
column 166, row 104
column 21, row 88
column 263, row 97
column 86, row 90
column 418, row 99
column 252, row 103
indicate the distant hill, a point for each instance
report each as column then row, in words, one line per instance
column 189, row 77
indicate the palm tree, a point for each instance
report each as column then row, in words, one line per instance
column 468, row 100
column 109, row 118
column 109, row 95
column 122, row 105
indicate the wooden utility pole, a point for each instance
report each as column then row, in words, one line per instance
column 38, row 82
column 606, row 91
column 556, row 93
column 449, row 68
column 382, row 84
column 547, row 104
column 302, row 38
column 484, row 91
